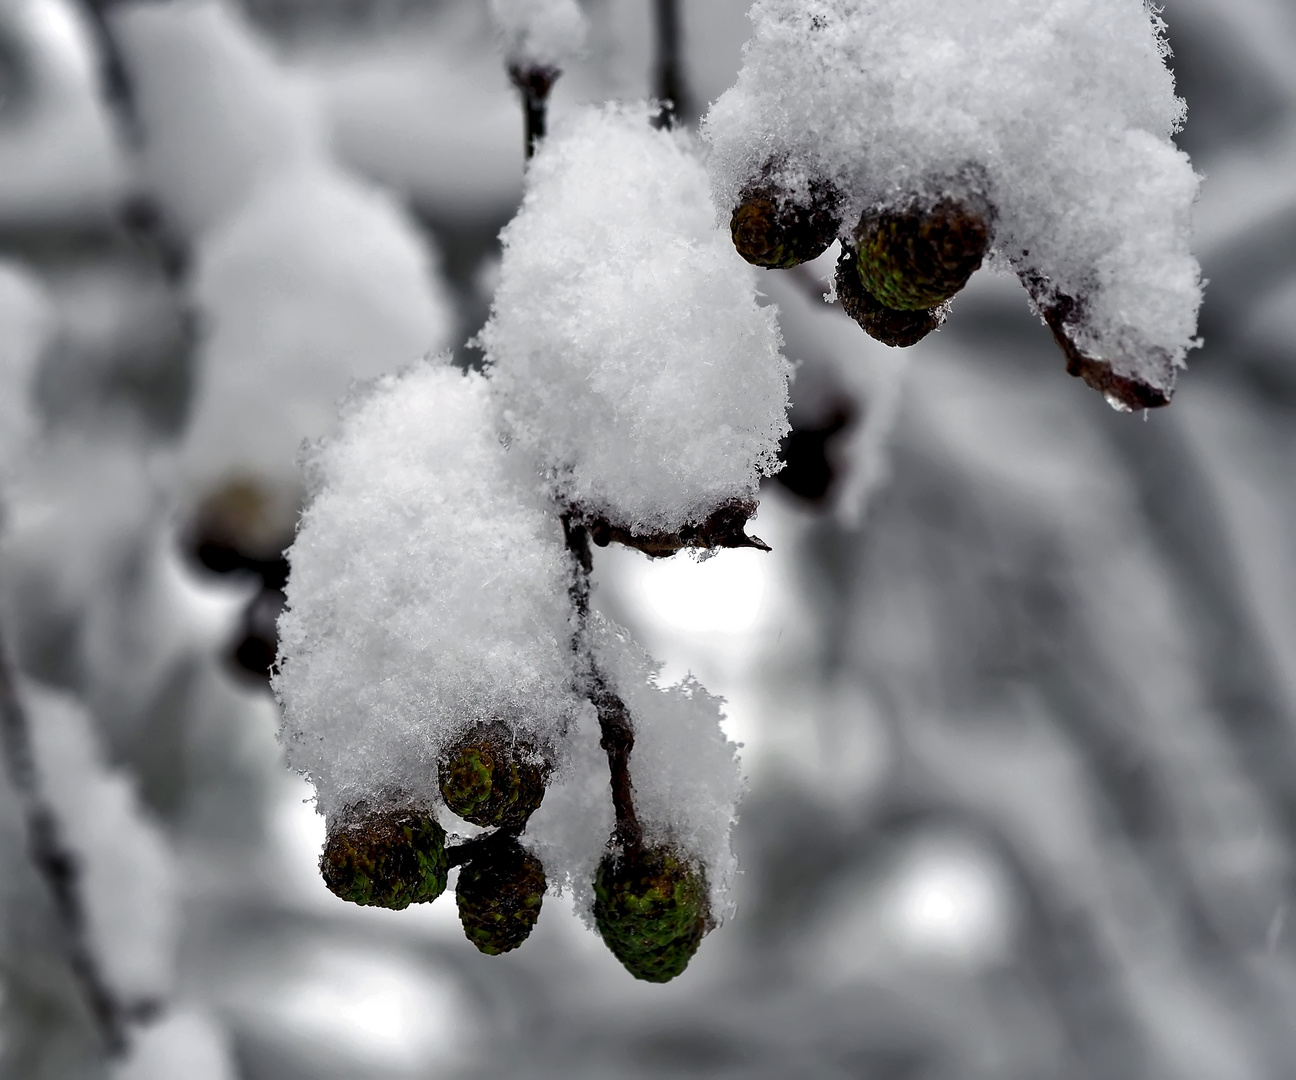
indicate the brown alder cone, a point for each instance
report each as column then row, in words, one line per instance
column 915, row 257
column 491, row 778
column 898, row 329
column 773, row 229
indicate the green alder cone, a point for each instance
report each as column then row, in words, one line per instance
column 652, row 912
column 389, row 858
column 499, row 896
column 771, row 230
column 915, row 259
column 492, row 780
column 898, row 329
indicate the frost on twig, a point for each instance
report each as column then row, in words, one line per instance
column 629, row 356
column 1049, row 134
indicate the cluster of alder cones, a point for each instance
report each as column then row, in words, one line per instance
column 650, row 905
column 903, row 262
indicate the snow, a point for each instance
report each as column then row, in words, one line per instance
column 539, row 33
column 1064, row 108
column 428, row 590
column 629, row 354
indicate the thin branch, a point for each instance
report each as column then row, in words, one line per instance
column 56, row 864
column 668, row 74
column 615, row 725
column 534, row 84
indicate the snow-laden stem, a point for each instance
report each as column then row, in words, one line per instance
column 534, row 84
column 668, row 73
column 615, row 726
column 55, row 863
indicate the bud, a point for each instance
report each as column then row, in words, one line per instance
column 491, row 779
column 898, row 329
column 386, row 858
column 771, row 228
column 499, row 896
column 652, row 911
column 917, row 258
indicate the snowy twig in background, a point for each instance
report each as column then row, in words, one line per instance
column 538, row 37
column 55, row 862
column 670, row 88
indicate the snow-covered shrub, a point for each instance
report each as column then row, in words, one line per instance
column 934, row 132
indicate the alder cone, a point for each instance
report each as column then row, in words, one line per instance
column 914, row 259
column 773, row 230
column 491, row 779
column 890, row 326
column 388, row 858
column 652, row 912
column 499, row 895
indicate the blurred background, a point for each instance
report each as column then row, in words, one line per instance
column 1016, row 687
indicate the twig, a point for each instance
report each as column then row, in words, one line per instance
column 534, row 84
column 668, row 75
column 56, row 864
column 615, row 725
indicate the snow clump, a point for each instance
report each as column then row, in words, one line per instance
column 429, row 590
column 629, row 353
column 1060, row 113
column 539, row 33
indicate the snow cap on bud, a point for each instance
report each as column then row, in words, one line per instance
column 490, row 778
column 428, row 587
column 629, row 354
column 539, row 33
column 650, row 907
column 499, row 896
column 390, row 857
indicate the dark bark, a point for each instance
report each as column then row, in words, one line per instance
column 534, row 84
